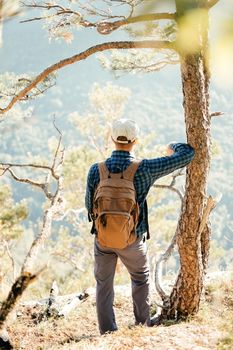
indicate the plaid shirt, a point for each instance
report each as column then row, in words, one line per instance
column 147, row 173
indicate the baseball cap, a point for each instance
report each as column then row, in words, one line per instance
column 124, row 130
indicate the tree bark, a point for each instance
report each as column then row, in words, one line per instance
column 185, row 297
column 193, row 239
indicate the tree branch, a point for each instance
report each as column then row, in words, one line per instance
column 172, row 184
column 108, row 27
column 24, row 165
column 54, row 208
column 11, row 258
column 23, row 180
column 44, row 186
column 147, row 44
column 69, row 260
column 157, row 65
column 175, row 175
column 39, row 241
column 165, row 256
column 211, row 204
column 216, row 114
column 95, row 145
column 54, row 291
column 204, row 229
column 75, row 213
column 38, row 92
column 168, row 187
column 54, row 165
column 103, row 27
column 15, row 293
column 211, row 3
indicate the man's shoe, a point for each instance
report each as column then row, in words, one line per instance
column 155, row 321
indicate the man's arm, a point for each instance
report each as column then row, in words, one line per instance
column 181, row 156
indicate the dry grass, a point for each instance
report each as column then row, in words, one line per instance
column 226, row 343
column 79, row 331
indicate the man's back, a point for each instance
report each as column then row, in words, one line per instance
column 148, row 172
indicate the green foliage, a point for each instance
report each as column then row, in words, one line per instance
column 106, row 103
column 170, row 30
column 11, row 215
column 11, row 84
column 216, row 149
column 73, row 246
column 227, row 342
column 70, row 251
column 71, row 257
column 154, row 29
column 142, row 60
column 61, row 27
column 76, row 167
column 216, row 251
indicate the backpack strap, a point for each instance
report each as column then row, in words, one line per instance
column 103, row 170
column 147, row 221
column 129, row 173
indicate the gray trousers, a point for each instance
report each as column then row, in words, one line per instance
column 134, row 257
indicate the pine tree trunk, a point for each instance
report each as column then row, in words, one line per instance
column 186, row 294
column 193, row 245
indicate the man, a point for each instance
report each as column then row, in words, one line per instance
column 133, row 256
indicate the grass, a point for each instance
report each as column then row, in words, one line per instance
column 226, row 343
column 211, row 328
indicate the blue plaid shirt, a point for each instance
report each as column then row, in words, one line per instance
column 147, row 173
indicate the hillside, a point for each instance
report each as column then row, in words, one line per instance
column 208, row 330
column 85, row 98
column 155, row 103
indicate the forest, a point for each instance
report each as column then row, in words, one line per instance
column 69, row 68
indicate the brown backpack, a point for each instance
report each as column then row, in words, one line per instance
column 115, row 207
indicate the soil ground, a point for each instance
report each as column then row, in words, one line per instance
column 79, row 330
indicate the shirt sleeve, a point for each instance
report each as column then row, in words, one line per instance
column 92, row 180
column 158, row 167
